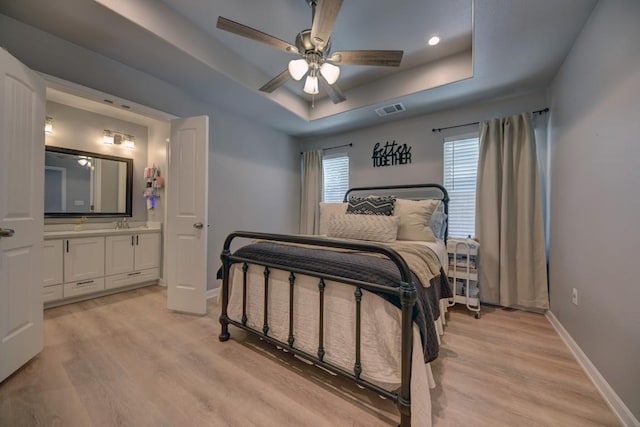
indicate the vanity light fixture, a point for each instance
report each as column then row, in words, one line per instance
column 48, row 124
column 110, row 137
column 128, row 142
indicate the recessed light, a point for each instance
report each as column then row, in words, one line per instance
column 434, row 41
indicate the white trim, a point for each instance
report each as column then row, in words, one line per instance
column 610, row 396
column 212, row 293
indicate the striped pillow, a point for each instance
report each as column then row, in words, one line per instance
column 375, row 228
column 380, row 205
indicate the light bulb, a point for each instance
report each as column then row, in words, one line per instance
column 298, row 68
column 107, row 137
column 48, row 125
column 330, row 72
column 128, row 142
column 434, row 41
column 311, row 85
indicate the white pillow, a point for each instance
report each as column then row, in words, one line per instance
column 375, row 228
column 328, row 209
column 415, row 219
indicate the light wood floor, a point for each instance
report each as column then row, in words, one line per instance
column 126, row 360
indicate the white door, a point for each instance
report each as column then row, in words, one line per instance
column 186, row 259
column 22, row 100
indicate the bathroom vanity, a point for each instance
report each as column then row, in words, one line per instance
column 88, row 263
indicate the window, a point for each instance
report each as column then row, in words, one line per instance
column 335, row 173
column 460, row 173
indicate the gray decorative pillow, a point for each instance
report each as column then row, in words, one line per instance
column 375, row 228
column 439, row 221
column 380, row 205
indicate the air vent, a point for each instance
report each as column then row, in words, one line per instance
column 390, row 109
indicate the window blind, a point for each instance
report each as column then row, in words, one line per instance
column 460, row 174
column 335, row 173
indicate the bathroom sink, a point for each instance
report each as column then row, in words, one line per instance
column 97, row 231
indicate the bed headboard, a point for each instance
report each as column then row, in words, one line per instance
column 409, row 191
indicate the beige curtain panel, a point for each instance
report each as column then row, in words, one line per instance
column 509, row 215
column 311, row 192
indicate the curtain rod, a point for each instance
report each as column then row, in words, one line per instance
column 544, row 110
column 331, row 148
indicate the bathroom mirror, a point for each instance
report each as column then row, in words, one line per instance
column 79, row 183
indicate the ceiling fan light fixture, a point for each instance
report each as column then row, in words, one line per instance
column 298, row 68
column 330, row 72
column 311, row 85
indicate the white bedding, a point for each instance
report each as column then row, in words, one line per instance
column 380, row 334
column 439, row 248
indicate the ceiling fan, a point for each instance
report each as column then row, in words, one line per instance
column 314, row 47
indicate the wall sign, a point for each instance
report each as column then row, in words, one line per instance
column 391, row 154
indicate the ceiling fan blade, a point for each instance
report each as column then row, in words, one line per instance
column 323, row 21
column 333, row 90
column 276, row 82
column 387, row 58
column 251, row 33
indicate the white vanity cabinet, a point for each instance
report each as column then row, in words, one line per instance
column 83, row 266
column 98, row 261
column 83, row 258
column 147, row 253
column 53, row 270
column 132, row 259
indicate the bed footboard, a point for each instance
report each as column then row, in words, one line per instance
column 406, row 292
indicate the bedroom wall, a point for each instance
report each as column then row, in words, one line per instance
column 595, row 175
column 427, row 146
column 254, row 171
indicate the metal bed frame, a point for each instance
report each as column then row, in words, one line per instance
column 406, row 292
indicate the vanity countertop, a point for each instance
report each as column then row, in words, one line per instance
column 68, row 234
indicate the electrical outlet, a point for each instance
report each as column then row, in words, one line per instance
column 574, row 296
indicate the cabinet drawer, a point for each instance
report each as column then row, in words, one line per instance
column 126, row 279
column 83, row 287
column 51, row 293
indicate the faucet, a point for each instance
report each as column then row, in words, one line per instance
column 79, row 223
column 122, row 224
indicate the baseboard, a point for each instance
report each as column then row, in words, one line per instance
column 610, row 396
column 212, row 293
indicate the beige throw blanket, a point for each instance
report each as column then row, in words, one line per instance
column 416, row 256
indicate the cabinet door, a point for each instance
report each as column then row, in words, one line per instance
column 83, row 258
column 52, row 262
column 147, row 252
column 119, row 254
